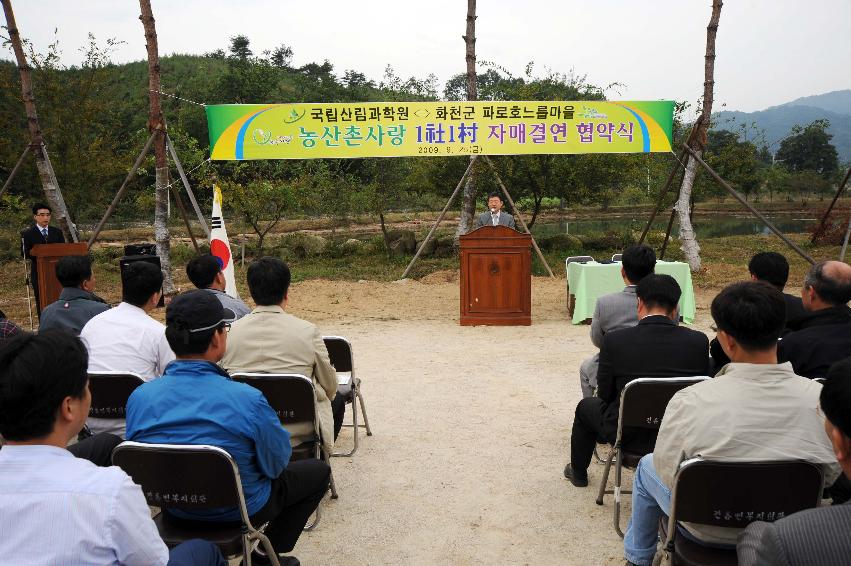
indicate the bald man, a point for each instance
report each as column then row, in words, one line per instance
column 823, row 335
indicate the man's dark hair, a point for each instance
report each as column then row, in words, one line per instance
column 752, row 312
column 830, row 289
column 835, row 398
column 268, row 281
column 494, row 194
column 638, row 262
column 139, row 281
column 184, row 343
column 37, row 371
column 72, row 270
column 38, row 206
column 202, row 270
column 771, row 267
column 659, row 291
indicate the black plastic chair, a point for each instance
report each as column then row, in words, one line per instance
column 642, row 405
column 110, row 391
column 733, row 495
column 293, row 399
column 342, row 359
column 193, row 477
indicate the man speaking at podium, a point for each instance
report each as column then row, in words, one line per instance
column 495, row 216
column 39, row 233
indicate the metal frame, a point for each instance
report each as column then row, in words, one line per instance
column 617, row 257
column 250, row 534
column 616, row 451
column 356, row 397
column 320, row 452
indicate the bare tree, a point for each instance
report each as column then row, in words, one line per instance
column 39, row 151
column 468, row 200
column 697, row 142
column 156, row 125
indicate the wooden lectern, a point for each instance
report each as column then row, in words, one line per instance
column 46, row 257
column 496, row 277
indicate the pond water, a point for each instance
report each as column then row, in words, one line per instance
column 706, row 226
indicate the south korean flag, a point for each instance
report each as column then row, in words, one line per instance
column 219, row 244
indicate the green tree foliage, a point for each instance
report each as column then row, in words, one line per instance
column 809, row 149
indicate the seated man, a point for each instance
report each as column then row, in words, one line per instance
column 205, row 272
column 55, row 508
column 822, row 336
column 8, row 329
column 815, row 536
column 755, row 409
column 77, row 302
column 272, row 341
column 656, row 347
column 616, row 310
column 126, row 338
column 494, row 215
column 195, row 402
column 773, row 268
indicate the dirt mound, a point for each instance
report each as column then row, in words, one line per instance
column 445, row 276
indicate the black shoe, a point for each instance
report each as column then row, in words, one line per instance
column 570, row 474
column 259, row 559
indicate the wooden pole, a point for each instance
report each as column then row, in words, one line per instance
column 121, row 190
column 468, row 198
column 14, row 170
column 188, row 187
column 440, row 218
column 662, row 193
column 46, row 174
column 519, row 217
column 845, row 241
column 820, row 228
column 747, row 205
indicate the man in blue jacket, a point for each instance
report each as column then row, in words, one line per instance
column 195, row 402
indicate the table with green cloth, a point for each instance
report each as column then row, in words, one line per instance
column 587, row 281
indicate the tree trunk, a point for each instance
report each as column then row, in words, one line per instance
column 386, row 235
column 156, row 125
column 50, row 185
column 468, row 200
column 697, row 141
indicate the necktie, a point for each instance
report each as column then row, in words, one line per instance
column 44, row 233
column 494, row 219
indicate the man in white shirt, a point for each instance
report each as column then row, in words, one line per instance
column 55, row 508
column 126, row 338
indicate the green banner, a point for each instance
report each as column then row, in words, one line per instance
column 397, row 129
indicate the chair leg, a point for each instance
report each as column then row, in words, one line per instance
column 617, row 515
column 605, row 479
column 354, row 430
column 268, row 549
column 363, row 412
column 316, row 517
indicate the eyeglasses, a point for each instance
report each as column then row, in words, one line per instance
column 226, row 326
column 43, row 214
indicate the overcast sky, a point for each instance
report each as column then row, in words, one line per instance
column 768, row 51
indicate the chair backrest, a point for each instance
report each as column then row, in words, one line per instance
column 617, row 257
column 110, row 391
column 734, row 494
column 579, row 258
column 340, row 353
column 819, row 379
column 644, row 400
column 290, row 395
column 183, row 476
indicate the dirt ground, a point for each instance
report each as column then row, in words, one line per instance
column 471, row 428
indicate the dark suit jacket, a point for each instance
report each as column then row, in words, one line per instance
column 815, row 536
column 656, row 347
column 820, row 339
column 794, row 312
column 32, row 236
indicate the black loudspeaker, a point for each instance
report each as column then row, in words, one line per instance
column 140, row 249
column 129, row 259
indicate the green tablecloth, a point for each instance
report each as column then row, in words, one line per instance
column 587, row 281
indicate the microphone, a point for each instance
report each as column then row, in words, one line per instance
column 493, row 211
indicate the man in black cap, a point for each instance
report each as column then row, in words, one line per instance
column 195, row 402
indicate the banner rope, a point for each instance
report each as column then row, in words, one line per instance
column 202, row 104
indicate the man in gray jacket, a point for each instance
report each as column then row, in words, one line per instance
column 494, row 215
column 77, row 302
column 616, row 310
column 815, row 536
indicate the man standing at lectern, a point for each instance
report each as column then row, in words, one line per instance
column 39, row 233
column 494, row 216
